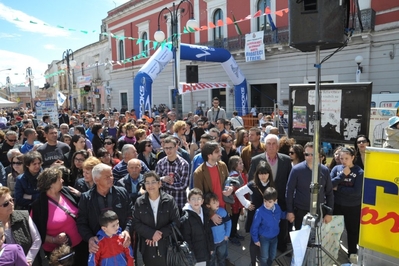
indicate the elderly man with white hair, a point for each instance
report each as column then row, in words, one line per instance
column 104, row 196
column 120, row 170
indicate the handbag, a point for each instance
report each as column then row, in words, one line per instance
column 178, row 251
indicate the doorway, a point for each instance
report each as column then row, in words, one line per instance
column 264, row 96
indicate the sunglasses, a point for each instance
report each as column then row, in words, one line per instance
column 362, row 141
column 66, row 256
column 107, row 143
column 5, row 204
column 17, row 163
column 308, row 154
column 291, row 152
column 12, row 140
column 156, row 125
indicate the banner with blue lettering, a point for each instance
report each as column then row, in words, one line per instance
column 143, row 81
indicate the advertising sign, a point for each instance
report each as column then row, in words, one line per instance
column 378, row 122
column 254, row 47
column 47, row 108
column 379, row 224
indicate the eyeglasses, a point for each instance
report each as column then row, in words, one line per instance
column 5, row 204
column 196, row 199
column 12, row 140
column 150, row 183
column 291, row 152
column 308, row 154
column 156, row 125
column 17, row 163
column 168, row 148
column 362, row 141
column 79, row 160
column 107, row 143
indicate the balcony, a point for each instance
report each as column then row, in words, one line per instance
column 237, row 43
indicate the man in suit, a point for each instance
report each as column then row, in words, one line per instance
column 281, row 168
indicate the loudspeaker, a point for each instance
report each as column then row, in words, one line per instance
column 317, row 23
column 191, row 74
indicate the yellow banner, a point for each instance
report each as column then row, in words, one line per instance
column 379, row 227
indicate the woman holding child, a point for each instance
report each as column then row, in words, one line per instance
column 154, row 212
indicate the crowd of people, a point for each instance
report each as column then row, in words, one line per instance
column 103, row 187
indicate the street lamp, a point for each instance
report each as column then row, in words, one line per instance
column 358, row 60
column 29, row 76
column 159, row 36
column 70, row 62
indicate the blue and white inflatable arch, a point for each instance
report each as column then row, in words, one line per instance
column 142, row 86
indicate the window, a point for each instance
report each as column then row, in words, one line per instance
column 121, row 50
column 124, row 99
column 217, row 32
column 260, row 21
column 144, row 44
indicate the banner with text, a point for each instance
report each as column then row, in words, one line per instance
column 201, row 86
column 254, row 47
column 379, row 223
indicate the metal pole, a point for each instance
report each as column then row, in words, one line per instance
column 8, row 82
column 176, row 52
column 314, row 186
column 29, row 74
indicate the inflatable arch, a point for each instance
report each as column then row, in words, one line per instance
column 142, row 85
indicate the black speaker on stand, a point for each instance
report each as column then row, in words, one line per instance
column 192, row 74
column 317, row 23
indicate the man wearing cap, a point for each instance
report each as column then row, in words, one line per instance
column 155, row 136
column 392, row 131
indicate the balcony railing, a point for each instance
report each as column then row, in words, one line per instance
column 236, row 43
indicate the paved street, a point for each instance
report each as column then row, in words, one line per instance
column 239, row 255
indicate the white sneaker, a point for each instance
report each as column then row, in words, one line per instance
column 353, row 258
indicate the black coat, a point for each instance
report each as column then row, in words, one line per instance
column 89, row 211
column 127, row 184
column 197, row 234
column 153, row 161
column 144, row 225
column 97, row 144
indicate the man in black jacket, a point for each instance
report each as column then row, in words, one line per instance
column 102, row 197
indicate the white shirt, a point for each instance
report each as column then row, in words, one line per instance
column 154, row 207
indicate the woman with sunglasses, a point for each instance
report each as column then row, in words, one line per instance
column 228, row 150
column 55, row 214
column 296, row 154
column 17, row 168
column 78, row 159
column 26, row 192
column 111, row 147
column 78, row 142
column 146, row 155
column 19, row 228
column 361, row 143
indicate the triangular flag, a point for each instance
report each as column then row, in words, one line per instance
column 257, row 14
column 211, row 25
column 267, row 10
column 229, row 21
column 279, row 13
column 220, row 23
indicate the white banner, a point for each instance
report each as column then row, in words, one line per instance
column 254, row 47
column 187, row 87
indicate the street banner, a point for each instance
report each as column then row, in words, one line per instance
column 254, row 47
column 187, row 87
column 379, row 224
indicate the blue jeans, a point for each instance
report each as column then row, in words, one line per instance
column 268, row 250
column 219, row 254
